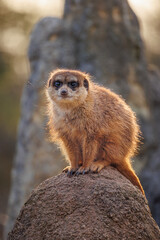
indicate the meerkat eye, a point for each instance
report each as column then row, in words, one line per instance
column 73, row 84
column 58, row 84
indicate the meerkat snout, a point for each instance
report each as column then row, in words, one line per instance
column 63, row 92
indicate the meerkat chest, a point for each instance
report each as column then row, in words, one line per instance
column 62, row 120
column 70, row 122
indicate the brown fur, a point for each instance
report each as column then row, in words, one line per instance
column 94, row 127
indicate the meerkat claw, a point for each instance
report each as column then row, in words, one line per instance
column 70, row 173
column 82, row 171
column 85, row 172
column 77, row 173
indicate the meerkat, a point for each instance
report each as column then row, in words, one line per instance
column 93, row 126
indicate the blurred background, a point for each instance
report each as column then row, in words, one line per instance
column 17, row 19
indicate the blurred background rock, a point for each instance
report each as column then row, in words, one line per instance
column 17, row 19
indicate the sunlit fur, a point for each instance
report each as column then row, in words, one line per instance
column 94, row 127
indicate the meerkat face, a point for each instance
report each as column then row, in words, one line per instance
column 68, row 87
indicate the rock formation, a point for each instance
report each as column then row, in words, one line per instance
column 94, row 206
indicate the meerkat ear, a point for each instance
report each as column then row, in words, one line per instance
column 86, row 84
column 49, row 82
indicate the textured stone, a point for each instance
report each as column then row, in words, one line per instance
column 94, row 206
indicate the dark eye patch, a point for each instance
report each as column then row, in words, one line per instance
column 57, row 84
column 86, row 85
column 73, row 85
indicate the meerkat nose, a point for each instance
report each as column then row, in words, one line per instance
column 64, row 92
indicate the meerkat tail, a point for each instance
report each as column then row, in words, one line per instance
column 129, row 173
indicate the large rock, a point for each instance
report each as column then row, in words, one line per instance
column 94, row 206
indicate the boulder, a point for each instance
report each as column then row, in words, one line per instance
column 93, row 206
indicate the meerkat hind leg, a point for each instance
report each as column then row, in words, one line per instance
column 98, row 165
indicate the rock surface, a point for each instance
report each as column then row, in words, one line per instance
column 94, row 206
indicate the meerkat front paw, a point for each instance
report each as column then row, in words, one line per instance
column 69, row 170
column 95, row 167
column 82, row 170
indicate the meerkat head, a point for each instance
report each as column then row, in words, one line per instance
column 68, row 87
